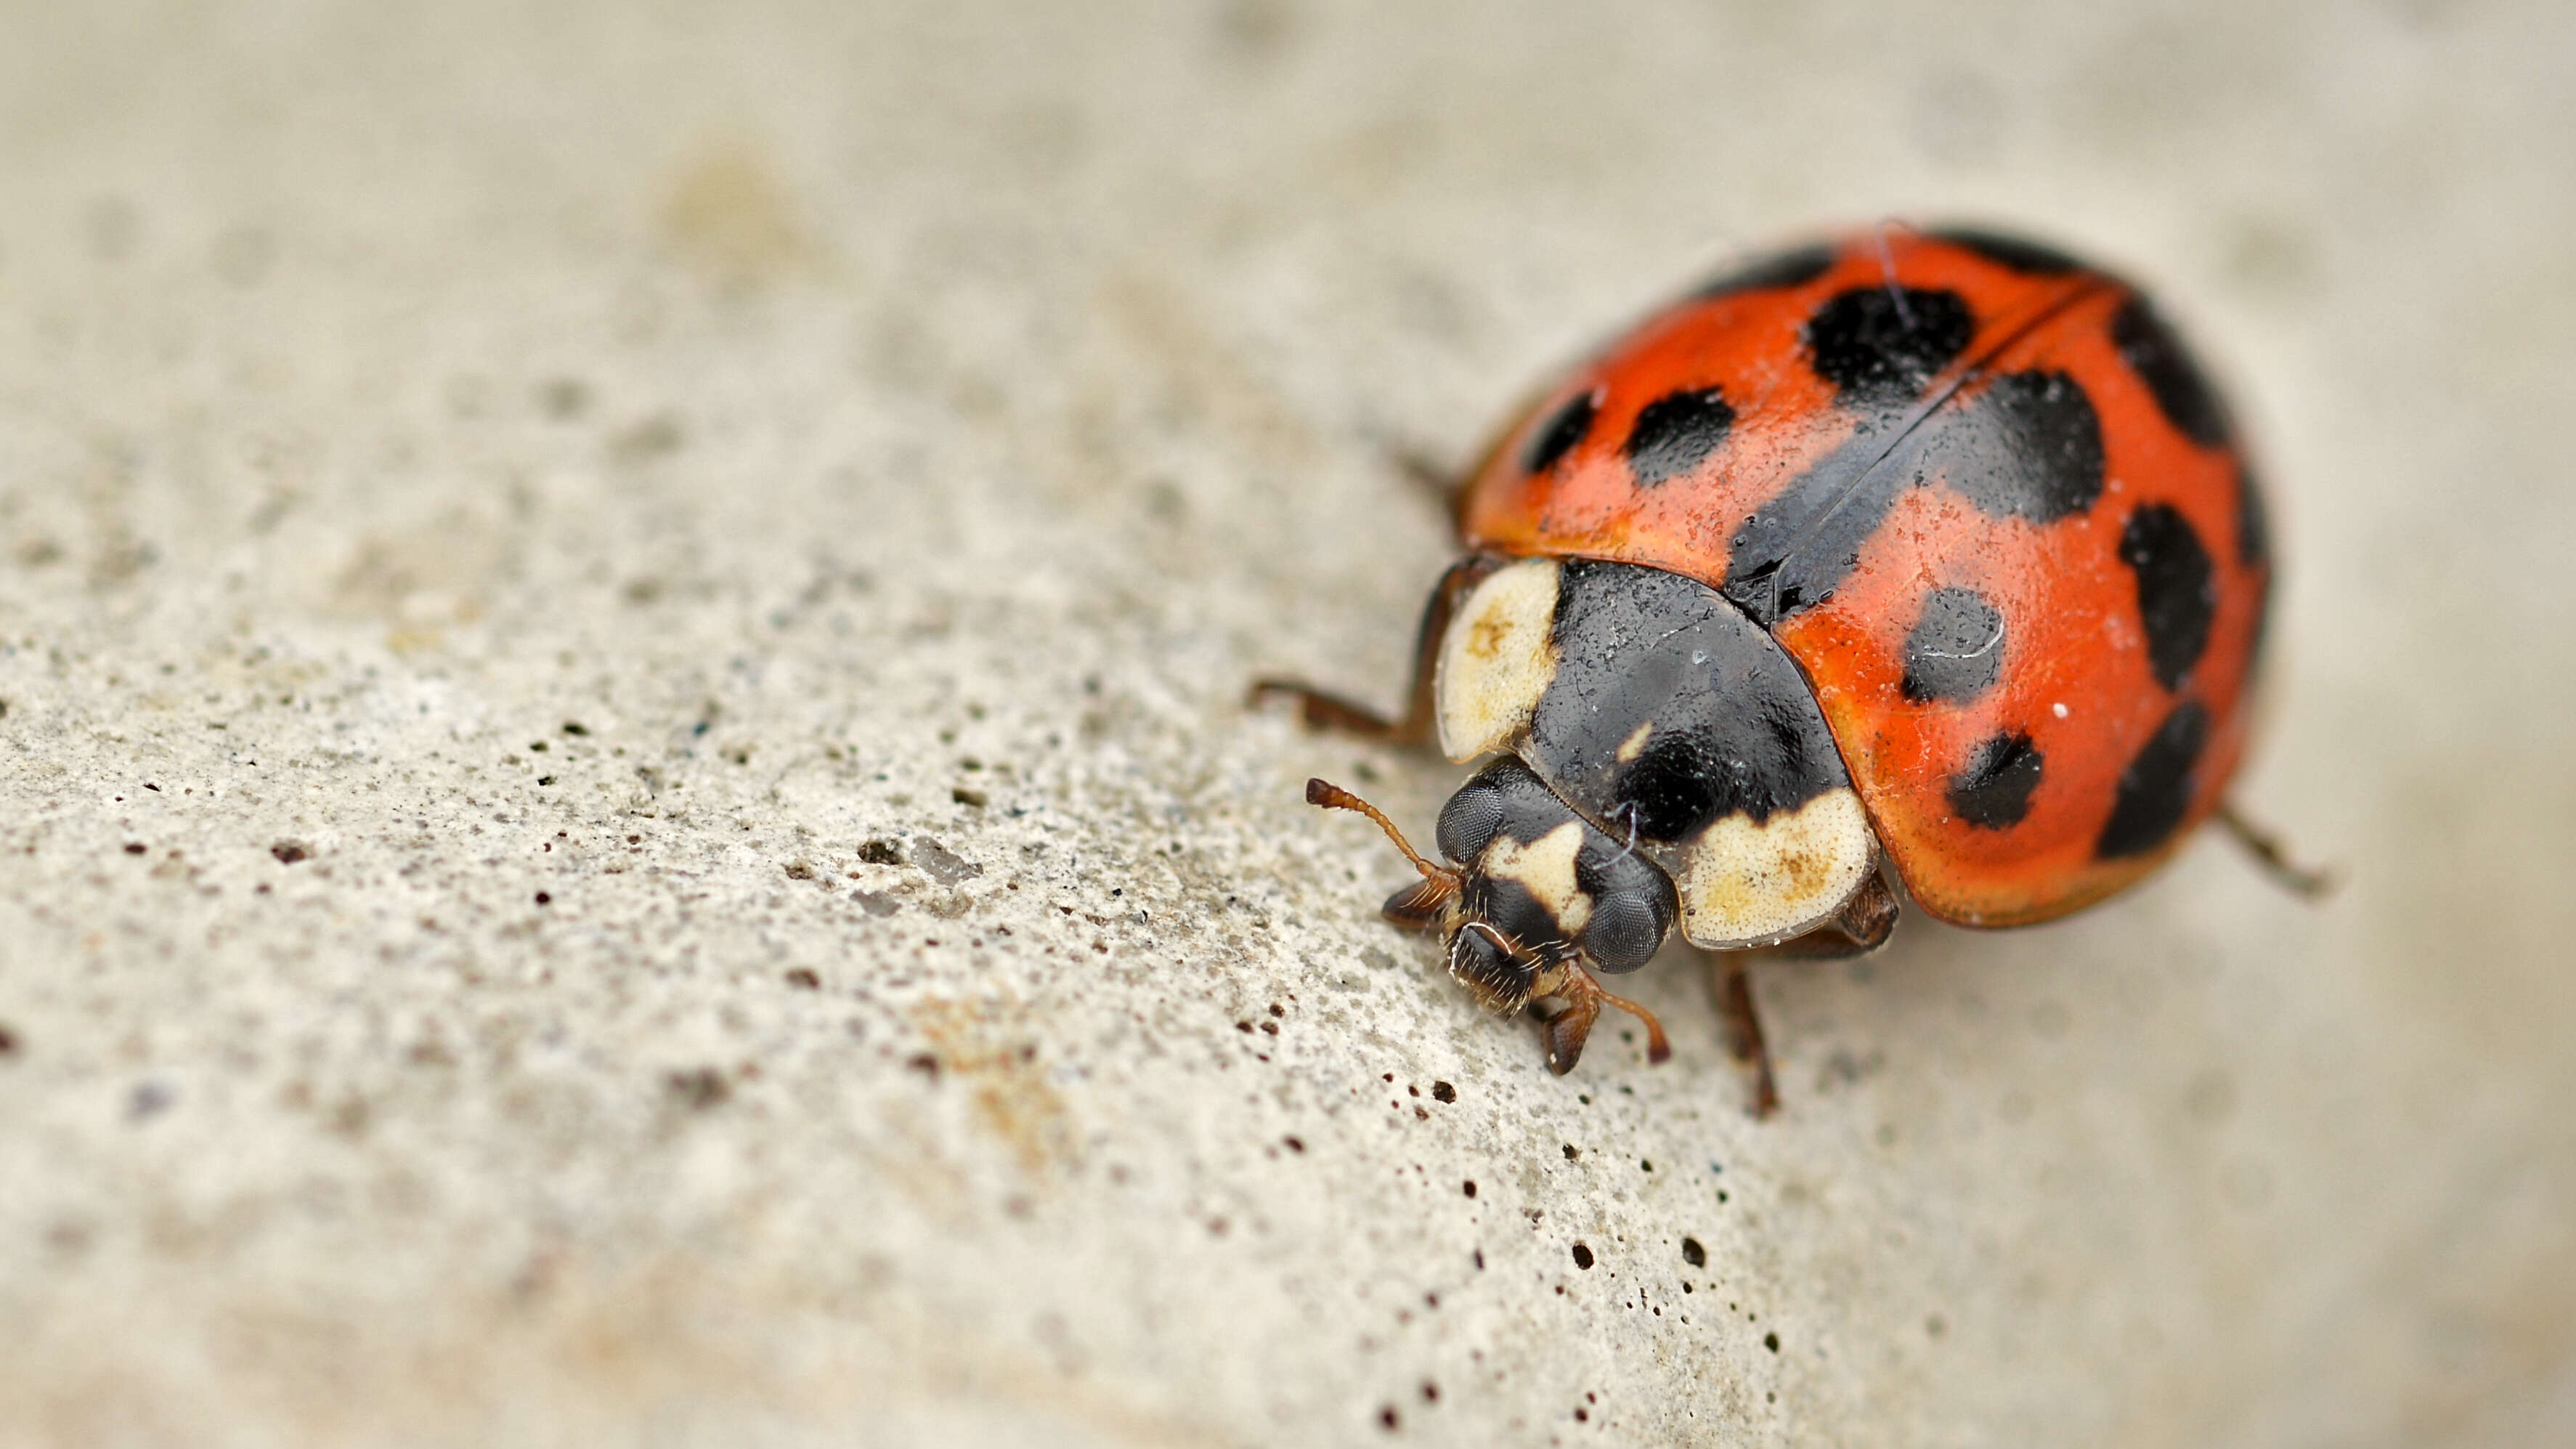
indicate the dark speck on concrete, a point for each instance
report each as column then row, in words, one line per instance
column 699, row 1088
column 149, row 1100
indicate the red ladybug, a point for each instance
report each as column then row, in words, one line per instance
column 1930, row 549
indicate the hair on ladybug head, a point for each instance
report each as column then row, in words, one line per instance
column 1505, row 944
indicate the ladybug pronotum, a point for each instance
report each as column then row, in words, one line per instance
column 1929, row 553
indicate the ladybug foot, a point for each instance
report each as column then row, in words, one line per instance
column 2306, row 882
column 1565, row 1028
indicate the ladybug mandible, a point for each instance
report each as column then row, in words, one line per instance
column 1932, row 550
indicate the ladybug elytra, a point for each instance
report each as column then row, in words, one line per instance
column 1925, row 551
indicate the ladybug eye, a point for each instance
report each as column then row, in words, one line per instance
column 1468, row 821
column 1624, row 932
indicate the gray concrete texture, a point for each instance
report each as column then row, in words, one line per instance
column 625, row 815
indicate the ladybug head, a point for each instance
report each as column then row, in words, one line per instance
column 1534, row 897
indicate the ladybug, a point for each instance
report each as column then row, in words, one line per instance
column 1929, row 553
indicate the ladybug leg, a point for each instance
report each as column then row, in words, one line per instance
column 1744, row 1029
column 1414, row 727
column 1862, row 926
column 2305, row 882
column 1565, row 1028
column 1318, row 710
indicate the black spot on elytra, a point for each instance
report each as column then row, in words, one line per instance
column 2177, row 590
column 2029, row 444
column 1956, row 647
column 1693, row 1253
column 1881, row 344
column 1675, row 433
column 1557, row 436
column 1993, row 792
column 1792, row 268
column 2155, row 789
column 1583, row 1257
column 2157, row 356
column 2018, row 253
column 2253, row 522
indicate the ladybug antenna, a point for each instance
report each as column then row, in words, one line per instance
column 1334, row 797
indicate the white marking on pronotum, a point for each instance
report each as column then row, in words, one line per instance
column 1497, row 659
column 1745, row 884
column 1635, row 744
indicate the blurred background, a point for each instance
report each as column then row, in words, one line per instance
column 626, row 813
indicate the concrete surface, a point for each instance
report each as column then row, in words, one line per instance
column 626, row 818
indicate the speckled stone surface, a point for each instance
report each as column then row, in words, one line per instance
column 625, row 815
